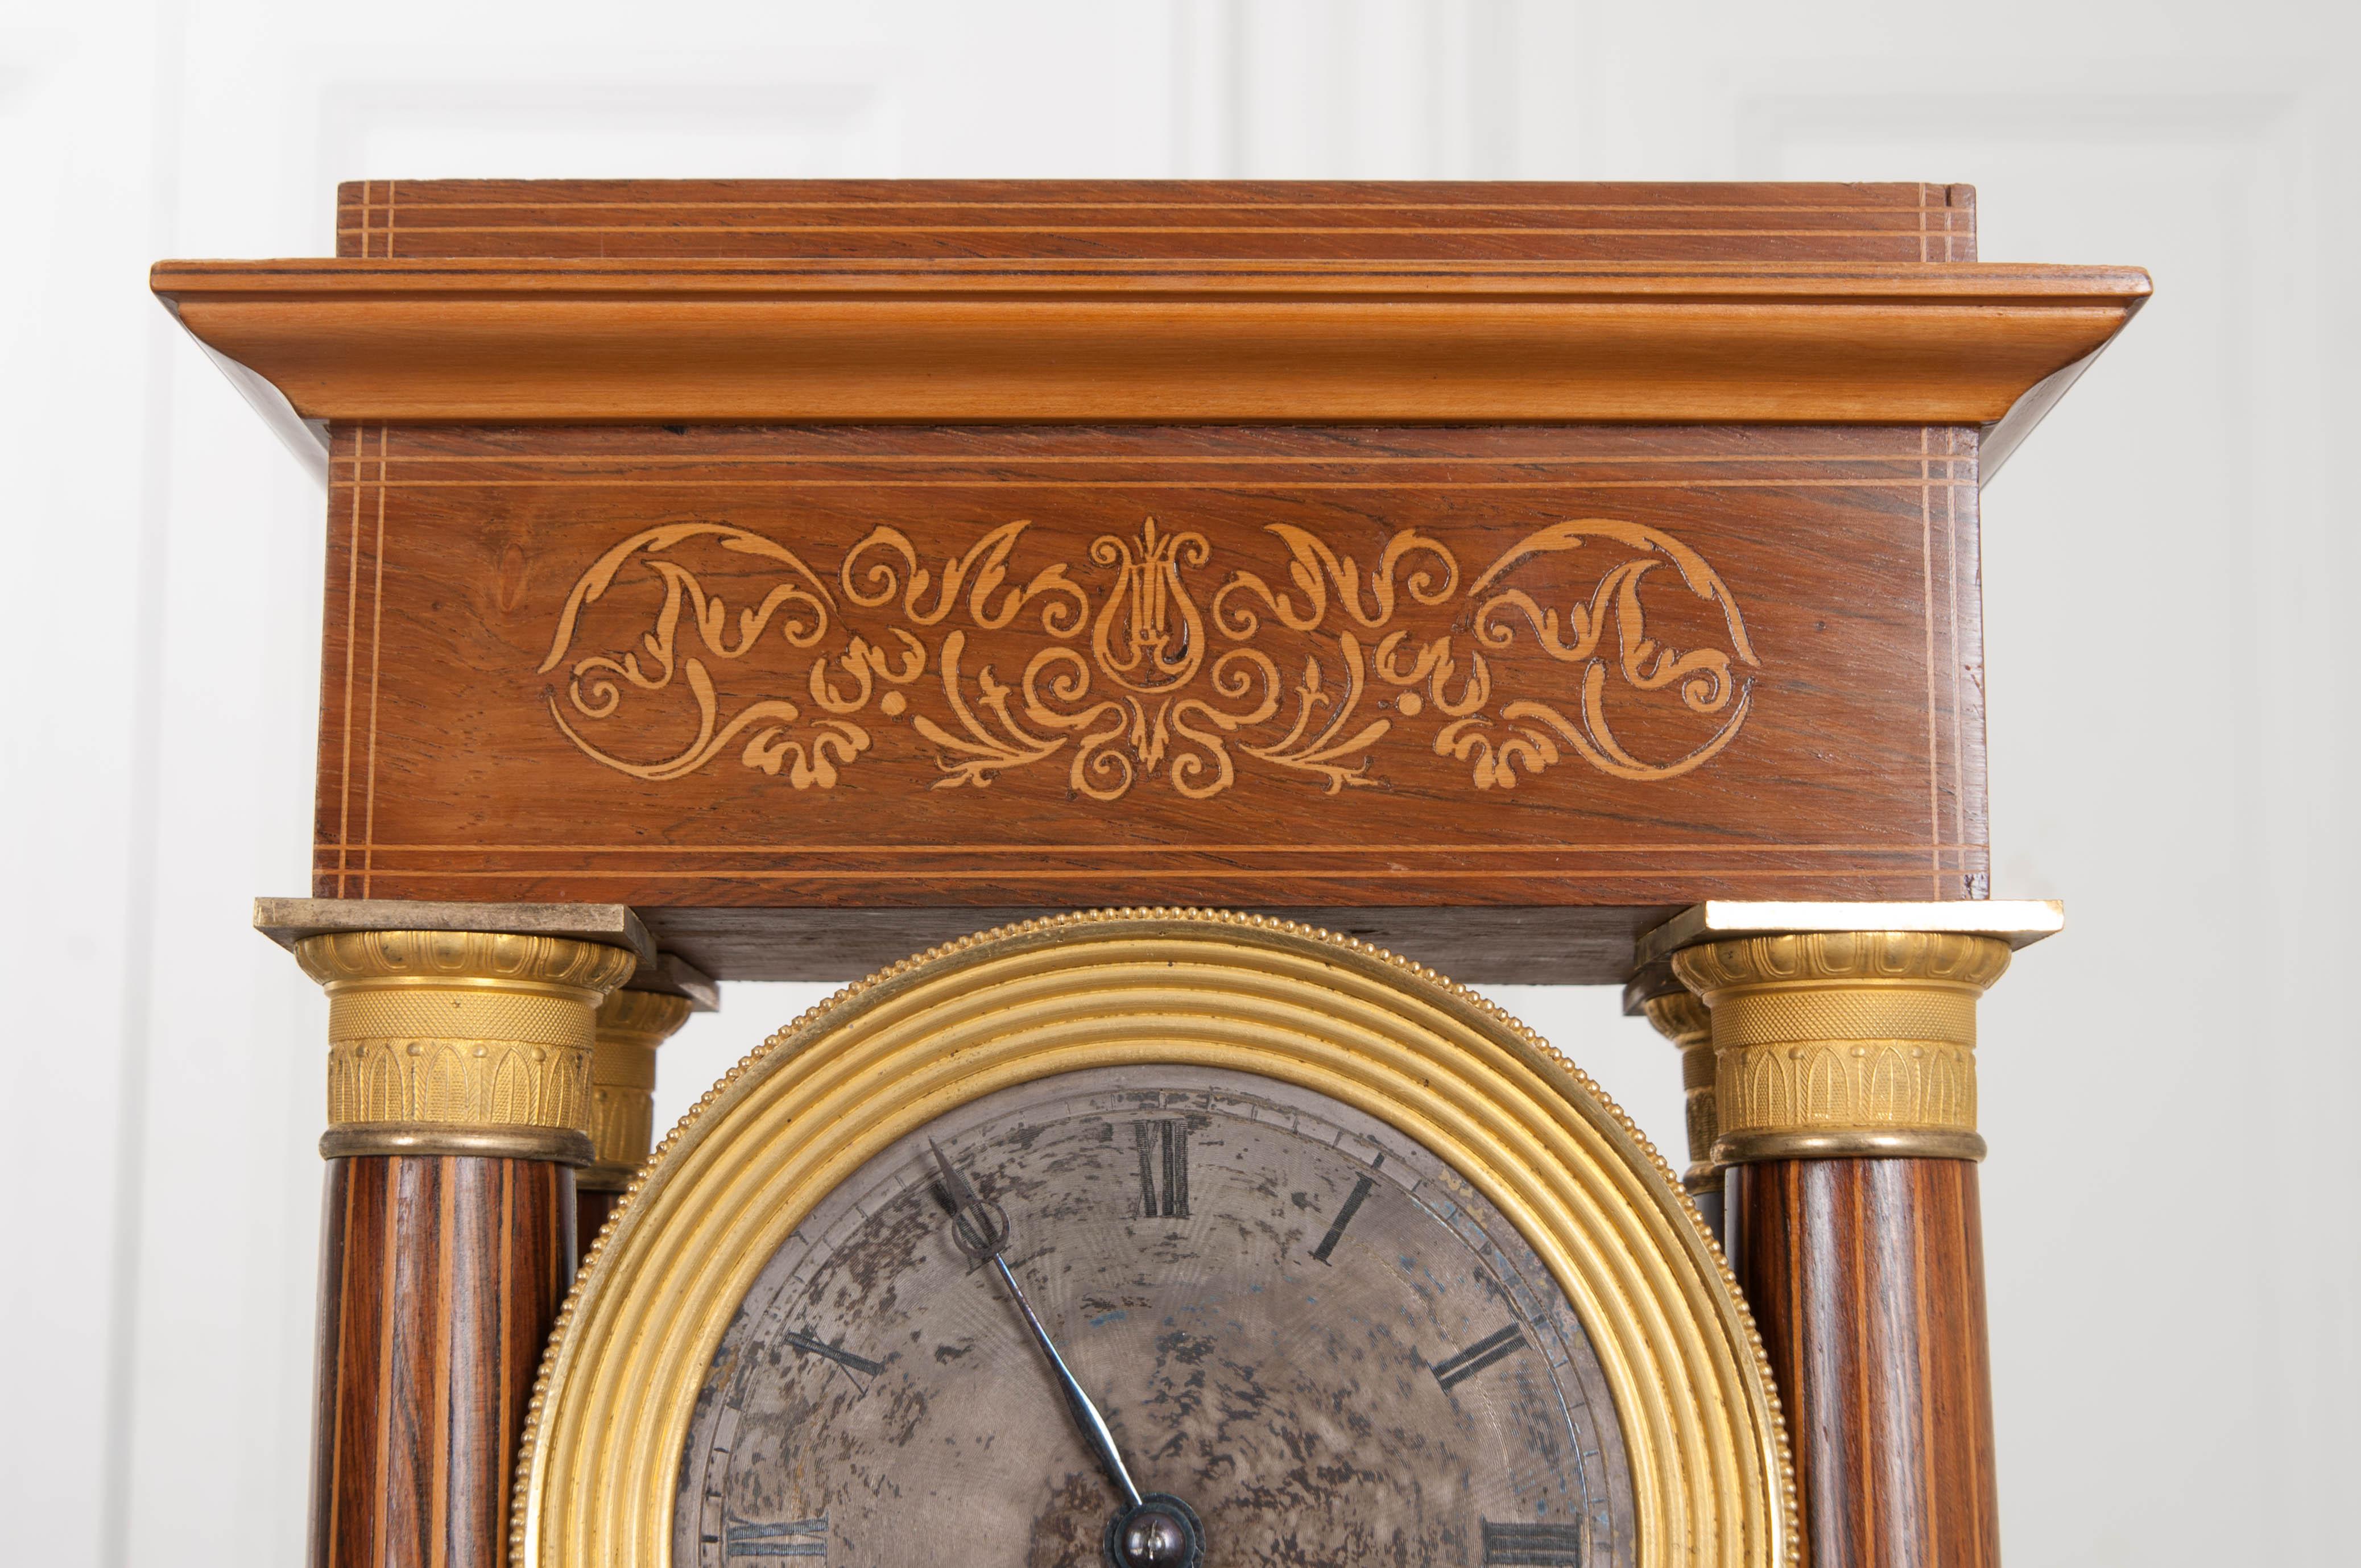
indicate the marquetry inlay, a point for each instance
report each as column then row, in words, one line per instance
column 1148, row 660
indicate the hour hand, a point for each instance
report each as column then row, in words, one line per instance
column 981, row 1231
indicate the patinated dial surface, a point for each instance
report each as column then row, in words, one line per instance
column 1293, row 1318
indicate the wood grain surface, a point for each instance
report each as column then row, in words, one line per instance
column 441, row 1278
column 1067, row 300
column 591, row 1210
column 1866, row 1277
column 748, row 668
column 1062, row 341
column 916, row 220
column 754, row 551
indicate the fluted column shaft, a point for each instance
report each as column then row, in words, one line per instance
column 1844, row 1102
column 459, row 1098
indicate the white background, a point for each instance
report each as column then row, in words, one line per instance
column 2174, row 1289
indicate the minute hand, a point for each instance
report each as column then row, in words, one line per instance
column 989, row 1236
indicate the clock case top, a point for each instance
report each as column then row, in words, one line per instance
column 824, row 568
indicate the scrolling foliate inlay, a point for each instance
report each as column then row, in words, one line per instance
column 1139, row 667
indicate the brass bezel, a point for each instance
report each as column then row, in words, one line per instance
column 600, row 1456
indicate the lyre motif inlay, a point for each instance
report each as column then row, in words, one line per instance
column 1129, row 679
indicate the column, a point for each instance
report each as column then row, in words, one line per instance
column 1845, row 1103
column 459, row 1091
column 630, row 1025
column 1681, row 1018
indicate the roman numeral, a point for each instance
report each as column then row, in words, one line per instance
column 1474, row 1359
column 792, row 1538
column 1532, row 1545
column 835, row 1352
column 1361, row 1190
column 1163, row 1149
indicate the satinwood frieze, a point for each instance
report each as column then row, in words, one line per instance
column 1249, row 665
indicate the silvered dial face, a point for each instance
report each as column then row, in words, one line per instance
column 1290, row 1317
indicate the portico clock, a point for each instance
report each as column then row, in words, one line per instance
column 1154, row 1239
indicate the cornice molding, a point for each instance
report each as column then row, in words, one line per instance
column 571, row 341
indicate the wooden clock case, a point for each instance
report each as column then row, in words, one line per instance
column 767, row 579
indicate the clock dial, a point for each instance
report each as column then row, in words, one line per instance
column 1299, row 1328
